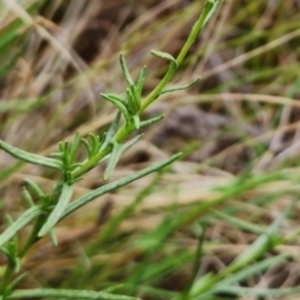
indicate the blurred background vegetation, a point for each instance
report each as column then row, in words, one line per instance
column 239, row 130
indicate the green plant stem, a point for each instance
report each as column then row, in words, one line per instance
column 33, row 238
column 126, row 129
column 92, row 162
column 6, row 278
column 154, row 94
column 197, row 28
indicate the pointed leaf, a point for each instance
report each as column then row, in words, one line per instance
column 151, row 121
column 15, row 240
column 53, row 237
column 164, row 55
column 209, row 9
column 58, row 155
column 95, row 141
column 111, row 131
column 136, row 121
column 27, row 197
column 88, row 146
column 125, row 70
column 30, row 157
column 134, row 101
column 62, row 146
column 119, row 105
column 117, row 97
column 65, row 197
column 18, row 224
column 18, row 264
column 74, row 146
column 131, row 142
column 180, row 88
column 16, row 281
column 141, row 80
column 35, row 188
column 113, row 160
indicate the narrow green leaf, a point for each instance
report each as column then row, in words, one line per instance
column 249, row 271
column 18, row 264
column 119, row 105
column 180, row 88
column 9, row 219
column 63, row 293
column 35, row 188
column 131, row 142
column 56, row 190
column 18, row 224
column 5, row 251
column 74, row 146
column 133, row 100
column 136, row 121
column 151, row 121
column 64, row 199
column 117, row 184
column 263, row 243
column 53, row 237
column 95, row 141
column 141, row 80
column 253, row 228
column 209, row 9
column 113, row 160
column 164, row 55
column 136, row 96
column 15, row 240
column 58, row 155
column 125, row 70
column 117, row 97
column 17, row 280
column 30, row 157
column 111, row 131
column 27, row 197
column 88, row 146
column 63, row 147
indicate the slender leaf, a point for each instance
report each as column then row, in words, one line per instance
column 74, row 146
column 113, row 160
column 180, row 88
column 63, row 293
column 30, row 157
column 131, row 142
column 27, row 197
column 141, row 80
column 164, row 55
column 125, row 70
column 151, row 121
column 111, row 131
column 18, row 224
column 64, row 199
column 120, row 105
column 117, row 184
